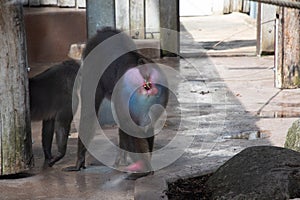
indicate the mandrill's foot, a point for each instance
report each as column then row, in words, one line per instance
column 137, row 170
column 134, row 176
column 72, row 169
column 78, row 167
column 56, row 158
column 47, row 164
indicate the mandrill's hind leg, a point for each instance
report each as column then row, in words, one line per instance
column 121, row 159
column 139, row 151
column 62, row 128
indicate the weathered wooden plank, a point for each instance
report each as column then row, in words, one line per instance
column 169, row 32
column 291, row 44
column 100, row 14
column 122, row 15
column 239, row 5
column 48, row 2
column 81, row 3
column 227, row 4
column 152, row 19
column 279, row 50
column 235, row 5
column 16, row 156
column 266, row 29
column 246, row 6
column 137, row 19
column 66, row 3
column 253, row 9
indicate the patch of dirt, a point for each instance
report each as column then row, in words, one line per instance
column 191, row 188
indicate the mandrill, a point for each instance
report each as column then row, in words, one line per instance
column 135, row 84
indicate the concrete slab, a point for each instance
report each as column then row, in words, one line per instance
column 218, row 35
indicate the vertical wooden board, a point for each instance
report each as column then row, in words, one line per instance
column 48, row 2
column 291, row 44
column 169, row 23
column 226, row 9
column 122, row 14
column 235, row 5
column 253, row 9
column 267, row 30
column 14, row 104
column 100, row 14
column 66, row 3
column 34, row 2
column 152, row 19
column 246, row 6
column 137, row 19
column 231, row 4
column 81, row 3
column 279, row 48
column 239, row 5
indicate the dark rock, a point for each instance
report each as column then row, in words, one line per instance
column 262, row 172
column 293, row 137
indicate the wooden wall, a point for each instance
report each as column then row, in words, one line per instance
column 59, row 3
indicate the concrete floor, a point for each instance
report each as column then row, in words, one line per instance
column 227, row 103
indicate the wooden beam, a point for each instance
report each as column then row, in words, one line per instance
column 100, row 14
column 152, row 19
column 169, row 23
column 15, row 140
column 266, row 29
column 137, row 19
column 122, row 15
column 291, row 48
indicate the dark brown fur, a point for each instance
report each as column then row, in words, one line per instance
column 51, row 100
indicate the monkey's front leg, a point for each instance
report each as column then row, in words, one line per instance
column 62, row 134
column 47, row 138
column 80, row 163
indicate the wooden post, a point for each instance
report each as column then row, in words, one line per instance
column 137, row 20
column 15, row 140
column 122, row 15
column 227, row 5
column 253, row 9
column 246, row 6
column 288, row 48
column 100, row 13
column 169, row 23
column 265, row 29
column 152, row 19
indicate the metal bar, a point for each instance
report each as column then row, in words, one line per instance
column 283, row 3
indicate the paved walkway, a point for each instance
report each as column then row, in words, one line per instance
column 226, row 104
